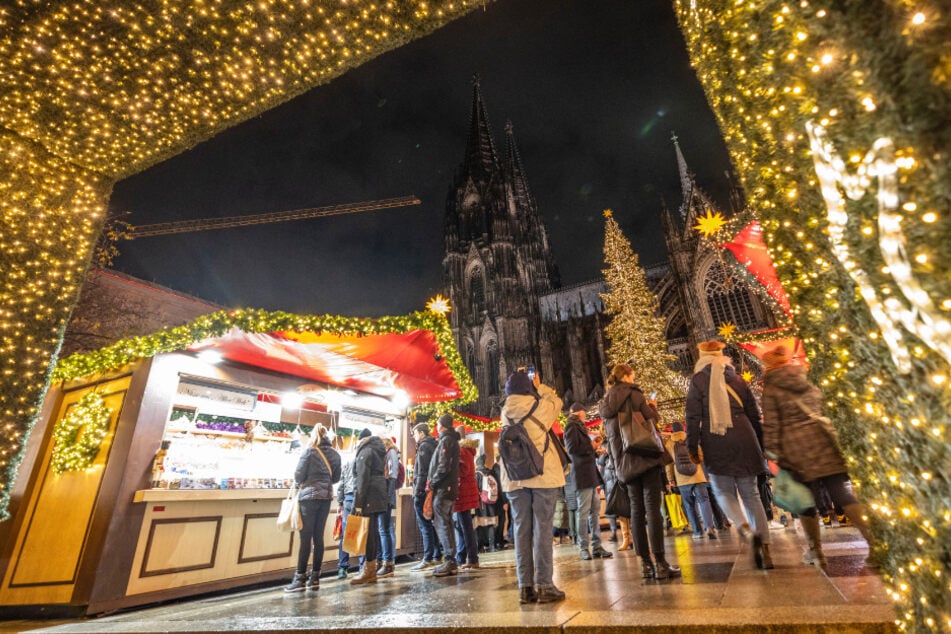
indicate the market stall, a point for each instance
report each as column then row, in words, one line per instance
column 159, row 463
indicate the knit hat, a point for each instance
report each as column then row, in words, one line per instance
column 711, row 346
column 777, row 357
column 519, row 383
column 577, row 407
column 445, row 421
column 366, row 433
column 422, row 428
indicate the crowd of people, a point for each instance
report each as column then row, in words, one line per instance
column 716, row 460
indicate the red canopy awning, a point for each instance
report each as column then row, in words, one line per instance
column 750, row 251
column 380, row 364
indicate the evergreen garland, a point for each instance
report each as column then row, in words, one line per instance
column 78, row 436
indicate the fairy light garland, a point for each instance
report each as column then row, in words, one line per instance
column 94, row 91
column 807, row 96
column 78, row 436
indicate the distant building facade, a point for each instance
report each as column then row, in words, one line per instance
column 509, row 309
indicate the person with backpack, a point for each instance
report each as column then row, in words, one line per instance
column 584, row 472
column 444, row 483
column 531, row 477
column 425, row 448
column 691, row 481
column 485, row 516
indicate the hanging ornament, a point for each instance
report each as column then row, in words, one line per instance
column 77, row 438
column 747, row 376
column 727, row 330
column 709, row 224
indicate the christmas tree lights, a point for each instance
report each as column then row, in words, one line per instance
column 836, row 116
column 92, row 91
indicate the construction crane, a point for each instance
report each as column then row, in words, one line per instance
column 116, row 229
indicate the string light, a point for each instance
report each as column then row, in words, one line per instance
column 78, row 436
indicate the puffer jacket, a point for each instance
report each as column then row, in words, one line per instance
column 369, row 495
column 675, row 477
column 801, row 443
column 424, row 457
column 738, row 452
column 468, row 497
column 627, row 467
column 444, row 468
column 515, row 408
column 315, row 480
column 584, row 470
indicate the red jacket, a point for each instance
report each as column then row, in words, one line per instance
column 468, row 487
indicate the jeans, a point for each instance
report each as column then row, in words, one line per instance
column 647, row 496
column 442, row 521
column 589, row 518
column 373, row 538
column 693, row 495
column 467, row 545
column 426, row 529
column 314, row 514
column 725, row 489
column 573, row 524
column 533, row 513
column 343, row 557
column 387, row 536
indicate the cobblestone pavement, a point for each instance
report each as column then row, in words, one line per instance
column 720, row 590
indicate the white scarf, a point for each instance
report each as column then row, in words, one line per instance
column 720, row 417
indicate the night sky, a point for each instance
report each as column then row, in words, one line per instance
column 594, row 89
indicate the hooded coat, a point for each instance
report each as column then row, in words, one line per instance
column 315, row 478
column 468, row 497
column 738, row 452
column 627, row 467
column 584, row 469
column 444, row 467
column 370, row 487
column 517, row 407
column 424, row 457
column 801, row 442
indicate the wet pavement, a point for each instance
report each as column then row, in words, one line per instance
column 720, row 590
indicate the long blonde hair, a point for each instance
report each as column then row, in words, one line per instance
column 319, row 433
column 618, row 373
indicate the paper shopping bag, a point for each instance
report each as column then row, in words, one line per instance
column 289, row 518
column 355, row 534
column 338, row 527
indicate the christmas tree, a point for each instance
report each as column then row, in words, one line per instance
column 635, row 332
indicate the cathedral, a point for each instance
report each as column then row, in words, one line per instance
column 509, row 308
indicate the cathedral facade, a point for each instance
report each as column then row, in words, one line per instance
column 508, row 306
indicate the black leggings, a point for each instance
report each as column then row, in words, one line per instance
column 314, row 515
column 839, row 487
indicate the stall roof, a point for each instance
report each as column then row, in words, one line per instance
column 414, row 353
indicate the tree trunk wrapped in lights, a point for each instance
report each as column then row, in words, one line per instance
column 836, row 116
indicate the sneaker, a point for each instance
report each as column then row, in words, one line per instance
column 585, row 555
column 423, row 565
column 341, row 573
column 697, row 536
column 446, row 569
column 298, row 584
column 600, row 553
column 474, row 566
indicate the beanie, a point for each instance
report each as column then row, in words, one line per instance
column 445, row 421
column 518, row 383
column 366, row 433
column 577, row 407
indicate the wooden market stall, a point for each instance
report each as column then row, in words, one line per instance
column 158, row 465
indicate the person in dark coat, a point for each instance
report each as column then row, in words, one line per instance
column 317, row 471
column 444, row 483
column 643, row 475
column 504, row 527
column 724, row 422
column 467, row 544
column 370, row 497
column 485, row 520
column 804, row 442
column 425, row 448
column 585, row 477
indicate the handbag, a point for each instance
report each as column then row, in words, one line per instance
column 288, row 519
column 790, row 494
column 338, row 527
column 428, row 505
column 638, row 436
column 355, row 535
column 675, row 510
column 617, row 502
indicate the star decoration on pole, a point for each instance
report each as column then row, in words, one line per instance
column 709, row 224
column 438, row 304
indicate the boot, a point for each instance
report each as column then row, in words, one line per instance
column 298, row 583
column 767, row 558
column 367, row 575
column 813, row 554
column 625, row 534
column 663, row 570
column 313, row 582
column 856, row 515
column 647, row 568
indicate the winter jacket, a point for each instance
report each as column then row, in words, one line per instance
column 628, row 467
column 347, row 482
column 468, row 497
column 607, row 471
column 515, row 408
column 444, row 467
column 392, row 470
column 485, row 510
column 315, row 479
column 802, row 444
column 369, row 494
column 424, row 456
column 584, row 470
column 675, row 477
column 738, row 452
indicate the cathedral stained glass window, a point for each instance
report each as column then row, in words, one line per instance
column 477, row 291
column 728, row 299
column 492, row 367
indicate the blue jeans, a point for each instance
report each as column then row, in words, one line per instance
column 725, row 489
column 533, row 514
column 387, row 536
column 313, row 514
column 589, row 518
column 693, row 495
column 442, row 521
column 467, row 544
column 426, row 529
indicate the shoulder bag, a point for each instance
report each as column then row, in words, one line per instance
column 288, row 519
column 638, row 436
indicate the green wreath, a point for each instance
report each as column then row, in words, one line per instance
column 77, row 438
